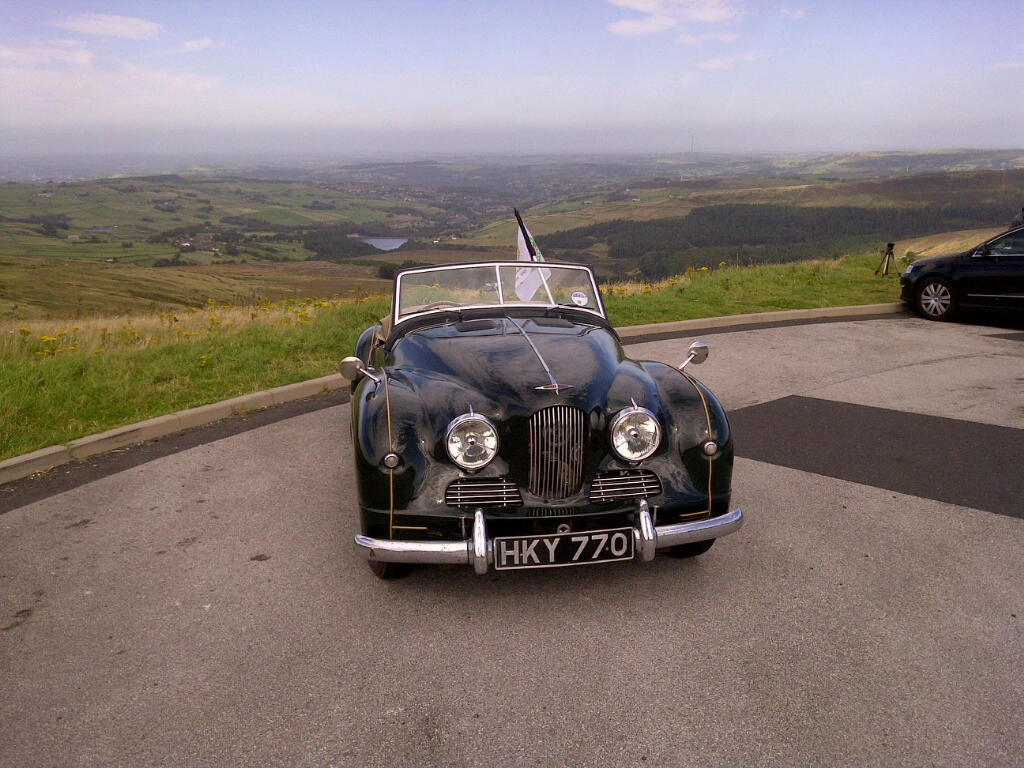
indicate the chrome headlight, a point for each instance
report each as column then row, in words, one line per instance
column 471, row 440
column 635, row 434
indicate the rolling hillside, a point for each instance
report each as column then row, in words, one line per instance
column 75, row 249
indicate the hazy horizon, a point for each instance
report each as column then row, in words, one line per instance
column 411, row 78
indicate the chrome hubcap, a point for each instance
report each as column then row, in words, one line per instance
column 936, row 299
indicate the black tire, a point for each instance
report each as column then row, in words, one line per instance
column 387, row 571
column 935, row 299
column 692, row 549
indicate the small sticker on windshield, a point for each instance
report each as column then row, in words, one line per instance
column 580, row 299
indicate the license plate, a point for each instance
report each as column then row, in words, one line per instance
column 559, row 549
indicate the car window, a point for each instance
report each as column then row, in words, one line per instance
column 495, row 284
column 544, row 285
column 437, row 289
column 1011, row 244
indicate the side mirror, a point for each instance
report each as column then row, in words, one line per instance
column 698, row 354
column 352, row 368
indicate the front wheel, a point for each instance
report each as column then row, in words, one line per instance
column 936, row 299
column 387, row 571
column 692, row 549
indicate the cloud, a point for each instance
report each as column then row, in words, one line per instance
column 106, row 25
column 794, row 13
column 203, row 44
column 67, row 86
column 140, row 82
column 688, row 11
column 188, row 47
column 63, row 53
column 649, row 25
column 661, row 15
column 191, row 46
column 728, row 62
column 718, row 37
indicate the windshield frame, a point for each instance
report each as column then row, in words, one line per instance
column 545, row 274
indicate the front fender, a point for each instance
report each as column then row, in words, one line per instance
column 694, row 416
column 402, row 416
column 384, row 420
column 365, row 343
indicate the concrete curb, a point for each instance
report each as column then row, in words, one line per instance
column 19, row 467
column 758, row 318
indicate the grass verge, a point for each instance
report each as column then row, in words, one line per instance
column 848, row 281
column 64, row 393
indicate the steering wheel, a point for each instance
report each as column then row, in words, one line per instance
column 440, row 305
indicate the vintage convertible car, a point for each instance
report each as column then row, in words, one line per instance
column 496, row 422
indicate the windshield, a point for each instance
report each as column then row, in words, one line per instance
column 495, row 284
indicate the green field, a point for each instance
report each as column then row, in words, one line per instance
column 118, row 219
column 77, row 249
column 660, row 199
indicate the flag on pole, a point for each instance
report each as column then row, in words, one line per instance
column 529, row 280
column 528, row 250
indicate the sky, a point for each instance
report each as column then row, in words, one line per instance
column 426, row 78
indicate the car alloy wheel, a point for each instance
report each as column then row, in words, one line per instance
column 935, row 299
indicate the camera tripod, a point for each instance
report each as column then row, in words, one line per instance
column 888, row 260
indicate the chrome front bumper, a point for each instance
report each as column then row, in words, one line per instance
column 478, row 550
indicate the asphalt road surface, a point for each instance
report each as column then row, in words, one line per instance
column 206, row 607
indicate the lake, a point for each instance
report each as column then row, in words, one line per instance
column 385, row 243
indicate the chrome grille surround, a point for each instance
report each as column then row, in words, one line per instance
column 625, row 484
column 482, row 492
column 556, row 440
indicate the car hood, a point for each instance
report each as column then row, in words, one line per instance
column 515, row 367
column 939, row 260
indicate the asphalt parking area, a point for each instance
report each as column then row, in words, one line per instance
column 206, row 607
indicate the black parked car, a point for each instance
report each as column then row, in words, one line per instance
column 990, row 276
column 497, row 422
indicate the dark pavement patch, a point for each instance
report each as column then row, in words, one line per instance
column 958, row 462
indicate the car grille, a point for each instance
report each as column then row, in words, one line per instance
column 631, row 484
column 482, row 492
column 538, row 512
column 556, row 452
